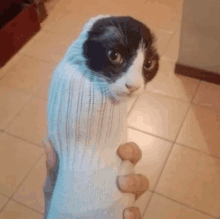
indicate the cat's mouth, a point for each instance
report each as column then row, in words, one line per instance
column 126, row 95
column 123, row 94
column 129, row 94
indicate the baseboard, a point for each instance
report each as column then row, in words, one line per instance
column 197, row 73
column 17, row 32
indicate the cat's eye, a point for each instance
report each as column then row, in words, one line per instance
column 150, row 65
column 115, row 57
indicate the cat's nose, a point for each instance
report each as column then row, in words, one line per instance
column 132, row 88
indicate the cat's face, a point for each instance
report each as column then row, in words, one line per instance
column 122, row 50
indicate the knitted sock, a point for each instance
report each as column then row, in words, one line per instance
column 85, row 128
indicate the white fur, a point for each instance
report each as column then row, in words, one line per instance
column 133, row 77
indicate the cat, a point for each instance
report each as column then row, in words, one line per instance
column 112, row 61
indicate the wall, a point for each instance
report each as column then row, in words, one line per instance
column 200, row 35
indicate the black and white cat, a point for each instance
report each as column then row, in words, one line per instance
column 112, row 61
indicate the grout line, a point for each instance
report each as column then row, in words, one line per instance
column 4, row 206
column 7, row 63
column 184, row 101
column 193, row 97
column 165, row 31
column 165, row 162
column 26, row 176
column 168, row 43
column 144, row 132
column 25, row 105
column 166, row 96
column 153, row 29
column 43, row 60
column 32, row 95
column 167, row 197
column 188, row 206
column 50, row 77
column 183, row 145
column 164, row 58
column 152, row 193
column 2, row 76
column 4, row 195
column 190, row 105
column 19, row 185
column 23, row 91
column 15, row 136
column 174, row 142
column 206, row 107
column 133, row 106
column 180, row 25
column 55, row 63
column 22, row 205
column 197, row 150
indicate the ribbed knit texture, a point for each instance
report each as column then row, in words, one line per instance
column 85, row 128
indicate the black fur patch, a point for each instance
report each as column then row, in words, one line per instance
column 119, row 34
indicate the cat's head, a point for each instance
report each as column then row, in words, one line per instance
column 122, row 51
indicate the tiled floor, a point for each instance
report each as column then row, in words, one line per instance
column 176, row 121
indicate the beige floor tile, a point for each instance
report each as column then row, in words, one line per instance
column 43, row 92
column 192, row 178
column 38, row 36
column 12, row 101
column 201, row 130
column 208, row 95
column 162, row 40
column 166, row 82
column 50, row 5
column 84, row 11
column 158, row 115
column 87, row 9
column 17, row 211
column 30, row 124
column 142, row 202
column 131, row 104
column 31, row 191
column 69, row 26
column 164, row 15
column 27, row 74
column 163, row 208
column 172, row 50
column 96, row 6
column 154, row 155
column 17, row 157
column 50, row 48
column 54, row 14
column 147, row 11
column 3, row 200
column 8, row 65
